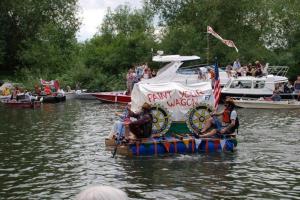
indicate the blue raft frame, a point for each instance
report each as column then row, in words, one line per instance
column 174, row 145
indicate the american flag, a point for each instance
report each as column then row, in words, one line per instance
column 217, row 86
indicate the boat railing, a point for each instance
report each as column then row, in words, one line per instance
column 278, row 70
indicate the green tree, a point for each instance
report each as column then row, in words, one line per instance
column 24, row 22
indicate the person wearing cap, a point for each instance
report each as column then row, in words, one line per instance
column 229, row 122
column 142, row 127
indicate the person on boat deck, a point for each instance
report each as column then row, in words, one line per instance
column 297, row 85
column 274, row 97
column 212, row 76
column 37, row 89
column 6, row 91
column 15, row 93
column 47, row 90
column 229, row 121
column 29, row 97
column 142, row 127
column 153, row 73
column 129, row 80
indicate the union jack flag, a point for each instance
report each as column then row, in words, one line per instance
column 217, row 86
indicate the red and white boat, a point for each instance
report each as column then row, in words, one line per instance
column 113, row 97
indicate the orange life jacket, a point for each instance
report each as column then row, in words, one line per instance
column 226, row 115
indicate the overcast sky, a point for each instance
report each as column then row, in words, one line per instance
column 92, row 13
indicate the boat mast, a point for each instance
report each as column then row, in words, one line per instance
column 207, row 53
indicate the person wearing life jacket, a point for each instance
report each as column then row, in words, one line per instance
column 228, row 125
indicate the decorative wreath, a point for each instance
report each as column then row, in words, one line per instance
column 197, row 117
column 161, row 119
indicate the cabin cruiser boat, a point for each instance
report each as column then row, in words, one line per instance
column 184, row 70
column 255, row 87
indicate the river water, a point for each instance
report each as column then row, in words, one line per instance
column 58, row 150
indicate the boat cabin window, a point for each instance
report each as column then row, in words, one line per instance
column 241, row 84
column 258, row 84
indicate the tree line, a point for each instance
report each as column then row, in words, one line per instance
column 38, row 38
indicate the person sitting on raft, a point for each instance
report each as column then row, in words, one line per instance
column 229, row 122
column 118, row 128
column 142, row 127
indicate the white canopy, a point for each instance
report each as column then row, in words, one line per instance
column 175, row 97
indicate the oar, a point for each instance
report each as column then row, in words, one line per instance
column 117, row 144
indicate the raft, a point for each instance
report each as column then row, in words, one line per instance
column 175, row 137
column 174, row 145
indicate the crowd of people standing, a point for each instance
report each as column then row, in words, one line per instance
column 236, row 69
column 138, row 73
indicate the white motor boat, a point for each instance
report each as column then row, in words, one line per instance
column 255, row 87
column 261, row 103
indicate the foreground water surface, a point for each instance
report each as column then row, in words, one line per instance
column 56, row 151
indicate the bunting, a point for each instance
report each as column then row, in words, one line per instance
column 167, row 146
column 186, row 142
column 223, row 142
column 197, row 142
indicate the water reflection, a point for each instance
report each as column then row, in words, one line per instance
column 55, row 151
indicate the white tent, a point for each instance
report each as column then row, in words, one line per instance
column 175, row 97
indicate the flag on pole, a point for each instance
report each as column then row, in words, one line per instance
column 217, row 86
column 229, row 43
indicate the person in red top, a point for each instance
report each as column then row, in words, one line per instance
column 47, row 90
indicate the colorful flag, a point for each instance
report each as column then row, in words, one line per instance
column 217, row 85
column 216, row 35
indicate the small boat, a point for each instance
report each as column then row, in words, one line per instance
column 6, row 97
column 52, row 98
column 266, row 104
column 22, row 104
column 113, row 97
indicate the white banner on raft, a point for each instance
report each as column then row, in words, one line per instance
column 176, row 98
